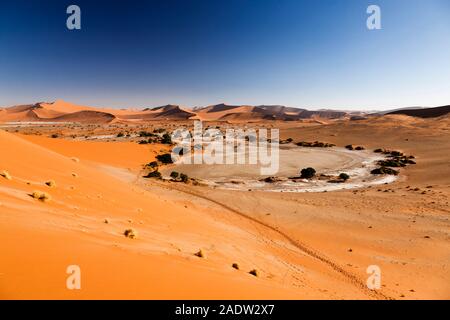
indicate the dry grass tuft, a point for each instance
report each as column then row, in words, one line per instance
column 130, row 233
column 5, row 174
column 200, row 254
column 42, row 196
column 254, row 272
column 51, row 183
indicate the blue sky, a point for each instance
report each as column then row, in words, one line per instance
column 313, row 54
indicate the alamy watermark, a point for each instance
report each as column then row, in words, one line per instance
column 73, row 281
column 73, row 21
column 234, row 146
column 374, row 20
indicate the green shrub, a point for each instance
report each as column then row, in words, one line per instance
column 254, row 272
column 152, row 164
column 166, row 139
column 184, row 178
column 384, row 170
column 307, row 173
column 165, row 158
column 344, row 176
column 390, row 163
column 146, row 134
column 154, row 174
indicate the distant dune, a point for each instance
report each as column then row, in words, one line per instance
column 424, row 112
column 65, row 111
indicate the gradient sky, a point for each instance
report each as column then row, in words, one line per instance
column 313, row 54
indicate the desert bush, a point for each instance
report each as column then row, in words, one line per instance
column 130, row 233
column 154, row 174
column 199, row 254
column 152, row 164
column 390, row 163
column 51, row 183
column 349, row 147
column 384, row 170
column 184, row 178
column 54, row 136
column 174, row 174
column 307, row 173
column 315, row 144
column 5, row 174
column 254, row 272
column 42, row 196
column 235, row 266
column 166, row 139
column 146, row 134
column 344, row 176
column 143, row 142
column 120, row 135
column 270, row 179
column 165, row 158
column 378, row 150
column 359, row 148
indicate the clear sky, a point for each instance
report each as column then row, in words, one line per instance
column 313, row 54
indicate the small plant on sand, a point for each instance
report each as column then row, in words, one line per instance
column 174, row 174
column 130, row 233
column 120, row 135
column 379, row 150
column 154, row 174
column 51, row 183
column 166, row 139
column 254, row 272
column 165, row 158
column 359, row 148
column 199, row 254
column 315, row 144
column 54, row 136
column 5, row 174
column 384, row 170
column 152, row 164
column 307, row 173
column 235, row 266
column 184, row 178
column 42, row 196
column 349, row 147
column 146, row 134
column 344, row 176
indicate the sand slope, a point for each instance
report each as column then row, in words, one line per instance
column 38, row 240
